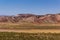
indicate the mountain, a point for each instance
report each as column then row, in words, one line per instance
column 31, row 18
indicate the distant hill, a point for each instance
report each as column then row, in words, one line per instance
column 31, row 18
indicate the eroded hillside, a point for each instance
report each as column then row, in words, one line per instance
column 31, row 18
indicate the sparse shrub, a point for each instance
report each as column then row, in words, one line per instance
column 29, row 36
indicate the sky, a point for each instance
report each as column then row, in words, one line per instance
column 41, row 7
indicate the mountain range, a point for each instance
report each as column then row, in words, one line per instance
column 31, row 18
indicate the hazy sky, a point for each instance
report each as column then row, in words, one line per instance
column 13, row 7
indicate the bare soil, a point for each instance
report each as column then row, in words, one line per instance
column 31, row 31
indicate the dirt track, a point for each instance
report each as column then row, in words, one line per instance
column 30, row 31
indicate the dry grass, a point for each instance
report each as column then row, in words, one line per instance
column 28, row 26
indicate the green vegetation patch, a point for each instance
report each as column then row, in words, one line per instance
column 29, row 36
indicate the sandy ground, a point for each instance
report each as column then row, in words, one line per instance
column 31, row 31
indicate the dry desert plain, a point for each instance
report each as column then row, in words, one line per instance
column 29, row 28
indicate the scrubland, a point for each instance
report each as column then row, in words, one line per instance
column 29, row 36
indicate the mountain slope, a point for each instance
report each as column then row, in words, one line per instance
column 31, row 18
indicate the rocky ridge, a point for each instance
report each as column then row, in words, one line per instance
column 31, row 18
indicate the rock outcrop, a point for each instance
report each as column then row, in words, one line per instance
column 31, row 18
